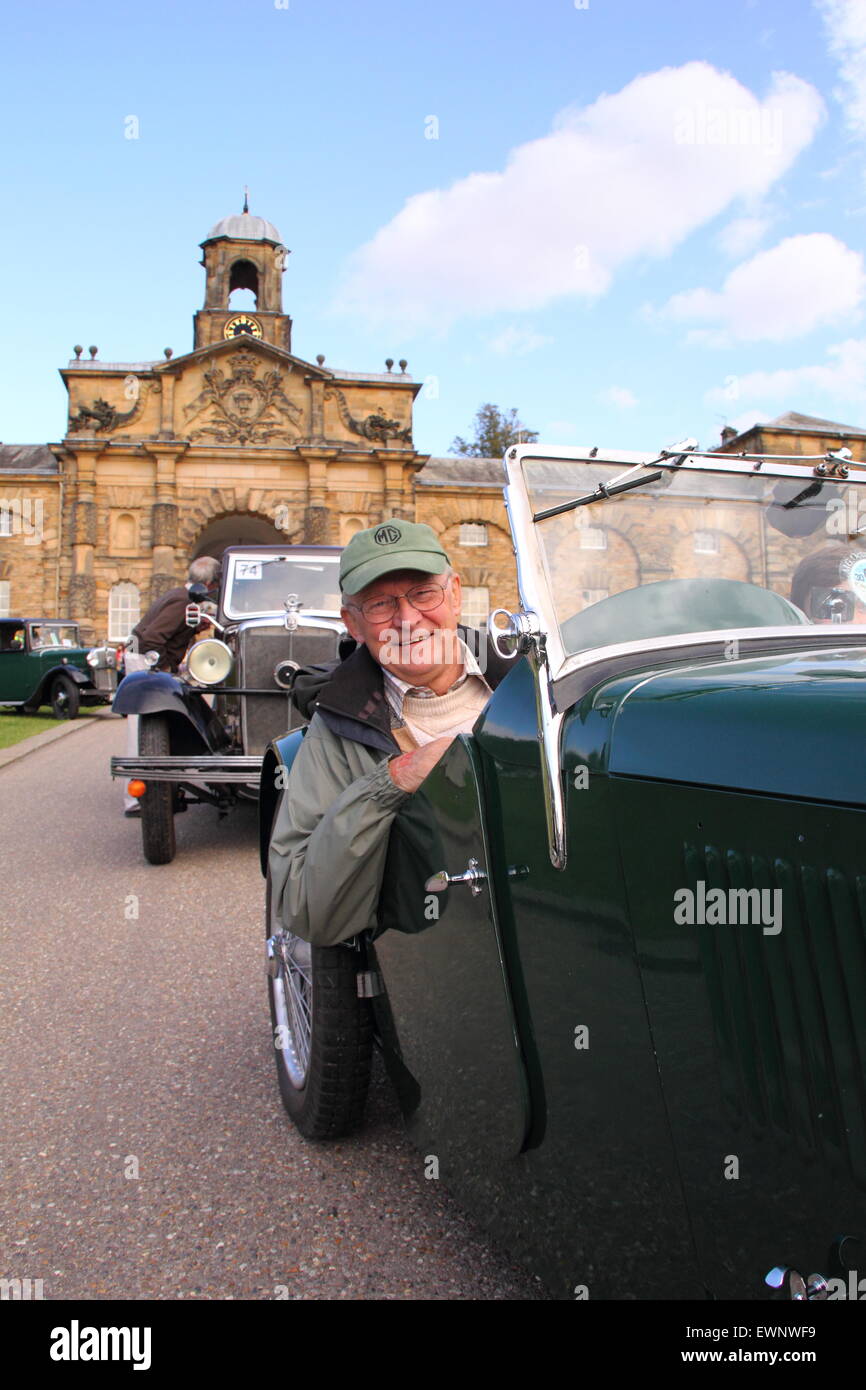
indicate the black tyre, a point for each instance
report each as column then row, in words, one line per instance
column 322, row 1033
column 157, row 804
column 65, row 699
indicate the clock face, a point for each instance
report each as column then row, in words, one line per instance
column 242, row 323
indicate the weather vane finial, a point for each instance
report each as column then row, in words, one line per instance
column 246, row 199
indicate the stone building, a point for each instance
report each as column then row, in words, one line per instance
column 241, row 441
column 238, row 440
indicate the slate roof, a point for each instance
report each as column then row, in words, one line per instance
column 461, row 472
column 27, row 458
column 792, row 420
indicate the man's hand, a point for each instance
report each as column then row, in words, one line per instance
column 409, row 770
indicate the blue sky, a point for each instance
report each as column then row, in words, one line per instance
column 633, row 221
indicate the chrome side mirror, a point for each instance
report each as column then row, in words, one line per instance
column 195, row 612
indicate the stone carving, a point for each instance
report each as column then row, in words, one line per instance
column 163, row 523
column 377, row 427
column 244, row 409
column 316, row 525
column 102, row 418
column 84, row 523
column 82, row 595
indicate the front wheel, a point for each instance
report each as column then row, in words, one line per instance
column 65, row 699
column 322, row 1032
column 157, row 804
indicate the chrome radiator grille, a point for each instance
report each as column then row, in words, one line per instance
column 264, row 717
column 104, row 679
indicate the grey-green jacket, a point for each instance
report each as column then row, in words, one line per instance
column 330, row 835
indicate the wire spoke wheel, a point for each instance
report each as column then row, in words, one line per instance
column 322, row 1032
column 293, row 1005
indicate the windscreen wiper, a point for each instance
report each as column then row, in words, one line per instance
column 603, row 490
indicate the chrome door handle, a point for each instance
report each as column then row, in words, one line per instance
column 474, row 876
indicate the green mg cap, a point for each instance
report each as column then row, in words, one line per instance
column 393, row 545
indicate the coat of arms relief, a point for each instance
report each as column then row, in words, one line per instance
column 244, row 408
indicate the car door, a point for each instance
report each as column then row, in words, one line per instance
column 17, row 676
column 451, row 1011
column 758, row 1029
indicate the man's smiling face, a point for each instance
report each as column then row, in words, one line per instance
column 418, row 647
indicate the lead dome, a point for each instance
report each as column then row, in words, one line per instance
column 243, row 226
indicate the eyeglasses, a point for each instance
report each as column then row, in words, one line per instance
column 424, row 597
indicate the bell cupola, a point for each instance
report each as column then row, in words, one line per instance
column 243, row 253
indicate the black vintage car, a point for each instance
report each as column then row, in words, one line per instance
column 203, row 732
column 619, row 974
column 43, row 662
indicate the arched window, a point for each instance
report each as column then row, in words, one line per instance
column 244, row 286
column 124, row 611
column 4, row 598
column 349, row 525
column 472, row 533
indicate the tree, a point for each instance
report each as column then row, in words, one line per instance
column 495, row 431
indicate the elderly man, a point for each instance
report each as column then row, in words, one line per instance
column 163, row 630
column 381, row 720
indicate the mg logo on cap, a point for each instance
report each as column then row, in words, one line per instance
column 387, row 535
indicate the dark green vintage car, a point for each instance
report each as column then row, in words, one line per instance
column 42, row 662
column 619, row 979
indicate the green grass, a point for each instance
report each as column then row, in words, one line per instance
column 14, row 727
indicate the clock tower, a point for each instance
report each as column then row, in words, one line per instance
column 243, row 253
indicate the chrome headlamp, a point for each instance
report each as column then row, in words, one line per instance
column 210, row 661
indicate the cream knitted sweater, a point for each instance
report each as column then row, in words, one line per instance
column 431, row 716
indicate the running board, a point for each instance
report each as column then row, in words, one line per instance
column 189, row 769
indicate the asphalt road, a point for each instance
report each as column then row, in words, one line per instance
column 144, row 1151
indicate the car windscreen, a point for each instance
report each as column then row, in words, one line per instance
column 258, row 585
column 49, row 635
column 646, row 551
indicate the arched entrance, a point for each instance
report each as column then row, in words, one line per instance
column 236, row 528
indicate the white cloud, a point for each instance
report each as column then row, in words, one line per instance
column 620, row 397
column 750, row 418
column 842, row 377
column 560, row 431
column 632, row 175
column 742, row 235
column 516, row 342
column 845, row 22
column 779, row 294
